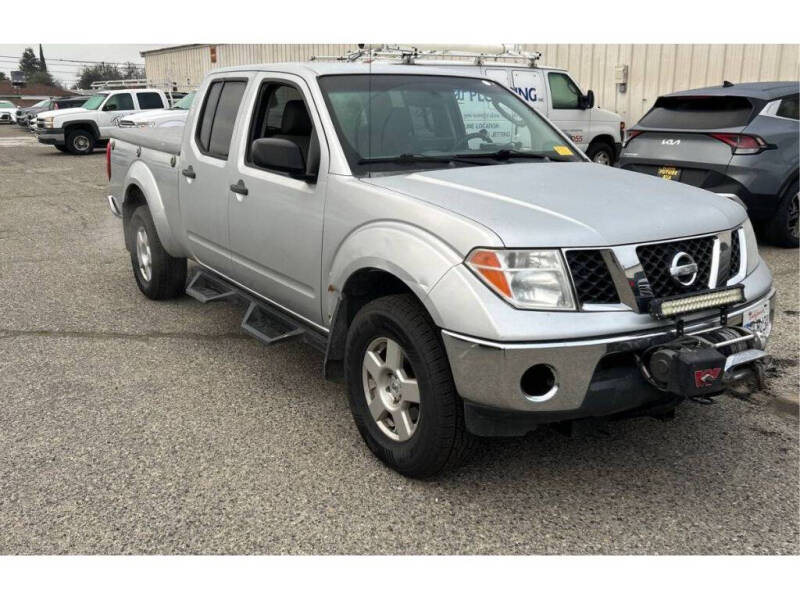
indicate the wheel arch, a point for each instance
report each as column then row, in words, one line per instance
column 604, row 138
column 90, row 125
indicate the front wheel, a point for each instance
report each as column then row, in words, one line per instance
column 158, row 275
column 601, row 153
column 80, row 141
column 401, row 390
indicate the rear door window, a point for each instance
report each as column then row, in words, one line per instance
column 698, row 112
column 148, row 100
column 218, row 117
column 788, row 108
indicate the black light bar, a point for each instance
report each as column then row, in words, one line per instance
column 665, row 308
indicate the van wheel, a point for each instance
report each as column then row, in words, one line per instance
column 401, row 390
column 80, row 141
column 782, row 229
column 601, row 153
column 158, row 275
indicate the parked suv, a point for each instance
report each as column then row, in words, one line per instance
column 739, row 140
column 27, row 116
column 460, row 284
column 79, row 130
column 8, row 112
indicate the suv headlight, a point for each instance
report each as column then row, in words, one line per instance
column 48, row 122
column 751, row 245
column 533, row 279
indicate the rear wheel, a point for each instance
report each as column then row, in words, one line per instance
column 80, row 141
column 601, row 152
column 782, row 229
column 401, row 390
column 158, row 275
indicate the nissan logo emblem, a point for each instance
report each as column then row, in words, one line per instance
column 683, row 269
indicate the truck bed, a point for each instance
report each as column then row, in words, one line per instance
column 164, row 139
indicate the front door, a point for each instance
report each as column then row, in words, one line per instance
column 565, row 108
column 114, row 108
column 204, row 172
column 276, row 228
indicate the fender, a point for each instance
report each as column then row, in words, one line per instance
column 139, row 175
column 90, row 125
column 413, row 255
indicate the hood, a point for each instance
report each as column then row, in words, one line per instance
column 602, row 115
column 570, row 204
column 61, row 112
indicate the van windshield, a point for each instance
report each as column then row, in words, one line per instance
column 406, row 122
column 94, row 102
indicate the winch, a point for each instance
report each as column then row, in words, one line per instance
column 705, row 362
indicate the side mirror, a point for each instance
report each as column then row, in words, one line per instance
column 278, row 154
column 587, row 101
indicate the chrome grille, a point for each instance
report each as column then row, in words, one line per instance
column 593, row 283
column 656, row 258
column 736, row 253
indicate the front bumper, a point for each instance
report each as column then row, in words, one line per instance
column 51, row 136
column 594, row 376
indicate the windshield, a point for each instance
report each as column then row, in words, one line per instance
column 94, row 102
column 185, row 103
column 6, row 104
column 41, row 103
column 416, row 119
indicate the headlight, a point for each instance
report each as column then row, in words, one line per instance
column 48, row 122
column 751, row 244
column 525, row 278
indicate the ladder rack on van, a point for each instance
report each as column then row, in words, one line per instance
column 411, row 56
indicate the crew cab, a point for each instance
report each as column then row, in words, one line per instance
column 79, row 130
column 459, row 285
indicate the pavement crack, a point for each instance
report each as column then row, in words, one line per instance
column 104, row 335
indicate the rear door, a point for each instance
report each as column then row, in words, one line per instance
column 564, row 108
column 676, row 140
column 528, row 84
column 205, row 171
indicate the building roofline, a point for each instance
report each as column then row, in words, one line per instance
column 171, row 49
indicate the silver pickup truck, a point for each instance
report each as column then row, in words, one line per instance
column 462, row 265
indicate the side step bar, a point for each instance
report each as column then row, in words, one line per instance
column 267, row 323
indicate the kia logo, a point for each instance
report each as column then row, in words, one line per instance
column 683, row 269
column 670, row 142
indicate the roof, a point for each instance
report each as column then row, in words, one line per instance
column 764, row 90
column 170, row 49
column 31, row 89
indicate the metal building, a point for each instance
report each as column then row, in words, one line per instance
column 626, row 78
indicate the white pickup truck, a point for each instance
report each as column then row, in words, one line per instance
column 79, row 130
column 460, row 284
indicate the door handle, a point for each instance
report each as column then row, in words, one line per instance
column 239, row 188
column 189, row 172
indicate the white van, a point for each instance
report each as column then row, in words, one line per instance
column 550, row 90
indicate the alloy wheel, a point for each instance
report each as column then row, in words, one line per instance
column 792, row 220
column 391, row 389
column 602, row 158
column 143, row 255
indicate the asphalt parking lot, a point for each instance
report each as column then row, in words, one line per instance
column 128, row 426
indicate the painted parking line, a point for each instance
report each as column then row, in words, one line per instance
column 17, row 141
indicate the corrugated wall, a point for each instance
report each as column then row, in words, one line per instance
column 653, row 69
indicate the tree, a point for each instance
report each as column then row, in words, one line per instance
column 42, row 77
column 28, row 63
column 2, row 76
column 131, row 71
column 42, row 63
column 99, row 72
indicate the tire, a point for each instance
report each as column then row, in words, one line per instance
column 601, row 153
column 158, row 275
column 61, row 148
column 782, row 228
column 80, row 141
column 438, row 439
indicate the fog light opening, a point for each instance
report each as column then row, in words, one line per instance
column 539, row 383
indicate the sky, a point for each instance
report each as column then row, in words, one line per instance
column 67, row 72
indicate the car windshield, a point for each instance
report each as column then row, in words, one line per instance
column 406, row 122
column 6, row 104
column 41, row 103
column 185, row 103
column 94, row 102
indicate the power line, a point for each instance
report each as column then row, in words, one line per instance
column 82, row 62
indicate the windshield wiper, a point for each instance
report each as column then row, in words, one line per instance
column 506, row 154
column 413, row 158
